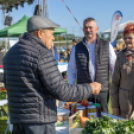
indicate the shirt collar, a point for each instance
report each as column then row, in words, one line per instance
column 90, row 43
column 129, row 50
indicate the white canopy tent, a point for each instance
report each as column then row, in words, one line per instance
column 121, row 27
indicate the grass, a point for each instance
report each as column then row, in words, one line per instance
column 3, row 126
column 109, row 105
column 3, row 120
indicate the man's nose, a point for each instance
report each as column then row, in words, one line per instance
column 88, row 29
column 53, row 38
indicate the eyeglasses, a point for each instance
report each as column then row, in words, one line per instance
column 129, row 38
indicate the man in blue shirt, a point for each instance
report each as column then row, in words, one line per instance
column 91, row 60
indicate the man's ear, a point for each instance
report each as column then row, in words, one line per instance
column 39, row 34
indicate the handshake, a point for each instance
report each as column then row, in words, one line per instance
column 96, row 87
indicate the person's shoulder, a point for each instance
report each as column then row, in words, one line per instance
column 104, row 41
column 79, row 44
column 22, row 47
column 121, row 53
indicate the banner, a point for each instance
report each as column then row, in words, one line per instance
column 72, row 14
column 115, row 26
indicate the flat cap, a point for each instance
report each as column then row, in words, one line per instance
column 37, row 22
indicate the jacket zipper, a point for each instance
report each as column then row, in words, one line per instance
column 89, row 59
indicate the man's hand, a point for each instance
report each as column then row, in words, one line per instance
column 116, row 111
column 96, row 87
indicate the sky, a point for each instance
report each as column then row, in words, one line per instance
column 101, row 10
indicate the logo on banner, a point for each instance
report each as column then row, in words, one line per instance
column 117, row 17
column 115, row 26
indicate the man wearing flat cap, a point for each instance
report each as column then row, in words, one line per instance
column 33, row 81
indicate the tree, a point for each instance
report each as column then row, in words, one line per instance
column 3, row 44
column 108, row 38
column 102, row 35
column 119, row 36
column 69, row 36
column 59, row 37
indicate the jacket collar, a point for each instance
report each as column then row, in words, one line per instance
column 98, row 46
column 127, row 52
column 36, row 39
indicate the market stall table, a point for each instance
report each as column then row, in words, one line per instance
column 63, row 129
column 62, row 66
column 1, row 70
column 73, row 130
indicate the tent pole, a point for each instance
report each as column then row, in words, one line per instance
column 66, row 41
column 43, row 6
column 58, row 42
column 6, row 44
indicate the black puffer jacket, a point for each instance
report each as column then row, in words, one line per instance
column 33, row 82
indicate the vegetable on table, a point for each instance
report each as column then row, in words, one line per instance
column 83, row 120
column 76, row 123
column 107, row 125
column 85, row 103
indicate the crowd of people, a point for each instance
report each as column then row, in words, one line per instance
column 33, row 82
column 64, row 55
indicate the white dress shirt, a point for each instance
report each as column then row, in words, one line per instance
column 72, row 70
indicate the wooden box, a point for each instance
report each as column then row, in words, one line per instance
column 71, row 120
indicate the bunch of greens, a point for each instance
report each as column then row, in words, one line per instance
column 76, row 123
column 2, row 95
column 77, row 119
column 107, row 125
